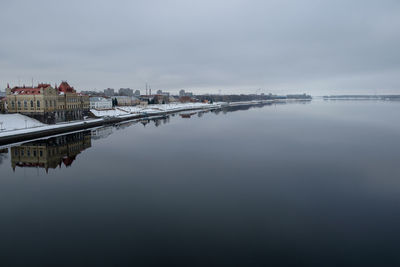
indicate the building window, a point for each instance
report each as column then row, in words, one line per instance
column 41, row 153
column 22, row 152
column 12, row 104
column 45, row 102
column 31, row 103
column 25, row 104
column 16, row 152
column 34, row 153
column 19, row 104
column 38, row 104
column 28, row 152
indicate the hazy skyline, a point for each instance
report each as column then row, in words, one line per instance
column 318, row 47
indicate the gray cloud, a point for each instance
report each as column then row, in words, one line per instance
column 229, row 45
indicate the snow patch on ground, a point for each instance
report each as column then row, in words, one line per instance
column 9, row 122
column 14, row 124
column 151, row 109
column 45, row 127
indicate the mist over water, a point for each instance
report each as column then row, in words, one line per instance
column 291, row 184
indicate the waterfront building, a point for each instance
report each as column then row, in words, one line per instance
column 185, row 99
column 125, row 92
column 143, row 102
column 123, row 100
column 100, row 103
column 3, row 104
column 48, row 104
column 137, row 93
column 146, row 99
column 161, row 99
column 135, row 101
column 72, row 105
column 39, row 102
column 172, row 99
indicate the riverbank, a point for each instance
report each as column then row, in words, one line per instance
column 104, row 117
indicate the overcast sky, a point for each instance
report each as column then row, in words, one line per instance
column 319, row 47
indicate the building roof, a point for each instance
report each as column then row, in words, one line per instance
column 18, row 90
column 65, row 87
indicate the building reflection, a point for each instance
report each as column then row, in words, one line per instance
column 157, row 121
column 102, row 132
column 62, row 150
column 3, row 154
column 187, row 115
column 50, row 153
column 244, row 107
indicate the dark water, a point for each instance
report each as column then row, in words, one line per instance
column 296, row 184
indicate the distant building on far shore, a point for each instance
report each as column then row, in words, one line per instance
column 183, row 93
column 137, row 93
column 109, row 92
column 92, row 93
column 185, row 99
column 160, row 92
column 125, row 92
column 298, row 96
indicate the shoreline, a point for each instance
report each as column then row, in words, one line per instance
column 15, row 136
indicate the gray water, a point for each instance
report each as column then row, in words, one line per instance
column 292, row 184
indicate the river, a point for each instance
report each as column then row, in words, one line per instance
column 284, row 184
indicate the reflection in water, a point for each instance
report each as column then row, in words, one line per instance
column 3, row 154
column 123, row 125
column 187, row 115
column 56, row 151
column 52, row 152
column 157, row 121
column 100, row 133
column 298, row 185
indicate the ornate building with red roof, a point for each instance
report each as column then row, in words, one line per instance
column 46, row 103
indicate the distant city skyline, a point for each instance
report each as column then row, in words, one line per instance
column 235, row 46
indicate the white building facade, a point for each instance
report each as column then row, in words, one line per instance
column 100, row 103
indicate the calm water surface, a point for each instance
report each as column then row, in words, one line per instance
column 296, row 184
